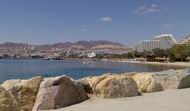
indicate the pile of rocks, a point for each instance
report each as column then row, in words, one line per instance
column 40, row 93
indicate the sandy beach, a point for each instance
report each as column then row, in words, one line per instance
column 170, row 100
column 172, row 64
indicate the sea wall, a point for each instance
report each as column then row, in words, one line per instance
column 40, row 93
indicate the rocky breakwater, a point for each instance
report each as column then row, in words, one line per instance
column 40, row 93
column 125, row 84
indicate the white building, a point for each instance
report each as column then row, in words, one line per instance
column 148, row 45
column 164, row 41
column 92, row 54
column 185, row 41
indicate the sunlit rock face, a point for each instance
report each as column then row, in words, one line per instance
column 147, row 83
column 24, row 91
column 59, row 92
column 158, row 81
column 173, row 79
column 111, row 86
column 116, row 86
column 7, row 101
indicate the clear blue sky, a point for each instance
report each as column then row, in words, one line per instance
column 125, row 21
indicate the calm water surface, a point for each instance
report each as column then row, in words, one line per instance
column 13, row 69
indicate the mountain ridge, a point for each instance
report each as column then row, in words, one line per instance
column 99, row 44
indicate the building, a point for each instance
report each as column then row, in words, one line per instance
column 164, row 41
column 148, row 45
column 185, row 41
column 92, row 54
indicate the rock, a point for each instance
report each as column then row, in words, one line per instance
column 81, row 90
column 24, row 90
column 91, row 82
column 59, row 92
column 147, row 83
column 86, row 86
column 173, row 79
column 9, row 84
column 111, row 85
column 158, row 81
column 116, row 86
column 7, row 101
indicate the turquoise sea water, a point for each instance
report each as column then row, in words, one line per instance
column 14, row 69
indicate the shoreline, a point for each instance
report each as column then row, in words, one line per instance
column 170, row 64
column 108, row 92
column 174, row 64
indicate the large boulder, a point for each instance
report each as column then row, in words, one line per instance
column 147, row 83
column 158, row 81
column 24, row 91
column 116, row 86
column 173, row 79
column 111, row 85
column 7, row 101
column 59, row 92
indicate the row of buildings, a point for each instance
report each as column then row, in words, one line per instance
column 163, row 41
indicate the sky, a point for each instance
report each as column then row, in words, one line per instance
column 124, row 21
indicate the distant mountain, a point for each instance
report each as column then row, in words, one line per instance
column 91, row 44
column 69, row 45
column 11, row 44
column 86, row 45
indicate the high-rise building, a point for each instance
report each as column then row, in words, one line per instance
column 148, row 45
column 164, row 41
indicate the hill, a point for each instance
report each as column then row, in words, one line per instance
column 80, row 45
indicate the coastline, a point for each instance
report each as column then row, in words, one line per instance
column 170, row 64
column 174, row 64
column 147, row 90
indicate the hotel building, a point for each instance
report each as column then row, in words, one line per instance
column 164, row 41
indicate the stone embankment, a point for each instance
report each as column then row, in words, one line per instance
column 40, row 93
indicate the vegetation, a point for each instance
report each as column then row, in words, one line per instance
column 179, row 52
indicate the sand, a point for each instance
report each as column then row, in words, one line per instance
column 172, row 64
column 171, row 100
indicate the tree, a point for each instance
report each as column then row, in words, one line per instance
column 158, row 52
column 179, row 52
column 188, row 50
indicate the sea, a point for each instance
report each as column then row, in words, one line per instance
column 24, row 69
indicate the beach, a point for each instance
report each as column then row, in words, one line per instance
column 170, row 100
column 173, row 64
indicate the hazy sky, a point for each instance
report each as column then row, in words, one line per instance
column 125, row 21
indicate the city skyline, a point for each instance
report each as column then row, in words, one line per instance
column 123, row 21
